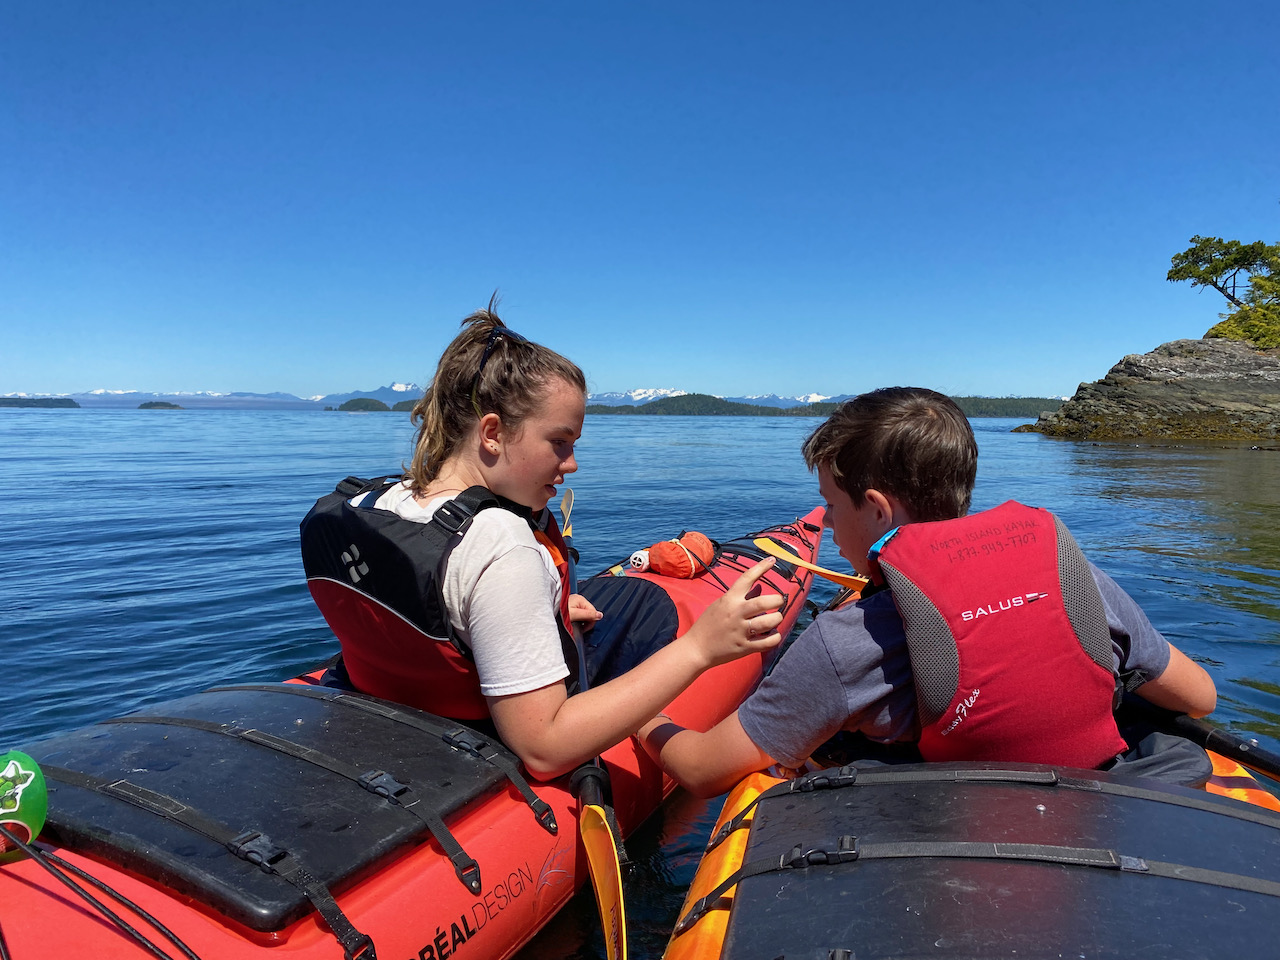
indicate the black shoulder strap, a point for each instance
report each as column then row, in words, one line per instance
column 354, row 486
column 454, row 517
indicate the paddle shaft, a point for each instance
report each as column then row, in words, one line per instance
column 1230, row 745
column 1233, row 746
column 566, row 533
column 603, row 859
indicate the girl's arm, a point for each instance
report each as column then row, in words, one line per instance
column 553, row 733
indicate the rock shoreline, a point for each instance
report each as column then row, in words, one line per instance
column 1223, row 390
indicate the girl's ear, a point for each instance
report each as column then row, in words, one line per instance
column 491, row 433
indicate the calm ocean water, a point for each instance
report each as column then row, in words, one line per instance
column 149, row 554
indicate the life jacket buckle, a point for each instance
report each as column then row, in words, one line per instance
column 453, row 518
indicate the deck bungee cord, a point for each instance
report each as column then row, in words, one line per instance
column 58, row 868
column 23, row 807
column 251, row 845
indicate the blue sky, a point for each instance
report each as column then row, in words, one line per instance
column 723, row 197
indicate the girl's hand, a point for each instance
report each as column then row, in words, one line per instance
column 742, row 622
column 581, row 610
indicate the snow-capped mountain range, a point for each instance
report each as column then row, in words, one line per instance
column 390, row 394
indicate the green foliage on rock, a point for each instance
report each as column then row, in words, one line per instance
column 158, row 405
column 1258, row 318
column 403, row 406
column 1248, row 275
column 364, row 405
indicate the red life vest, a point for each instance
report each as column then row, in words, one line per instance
column 376, row 578
column 1010, row 650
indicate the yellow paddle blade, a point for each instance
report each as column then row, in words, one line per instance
column 782, row 553
column 566, row 511
column 606, row 878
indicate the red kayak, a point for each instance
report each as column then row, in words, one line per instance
column 303, row 821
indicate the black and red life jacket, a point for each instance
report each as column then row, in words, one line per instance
column 1010, row 649
column 376, row 578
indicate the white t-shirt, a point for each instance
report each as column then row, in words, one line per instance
column 502, row 591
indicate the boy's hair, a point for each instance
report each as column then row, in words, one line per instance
column 911, row 442
column 515, row 376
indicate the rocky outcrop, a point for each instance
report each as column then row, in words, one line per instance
column 1183, row 390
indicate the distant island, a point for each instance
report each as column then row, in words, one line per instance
column 364, row 405
column 158, row 405
column 402, row 397
column 704, row 405
column 38, row 402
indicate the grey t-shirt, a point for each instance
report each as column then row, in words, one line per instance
column 851, row 670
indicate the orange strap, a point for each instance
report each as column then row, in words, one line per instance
column 554, row 543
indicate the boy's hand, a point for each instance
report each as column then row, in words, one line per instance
column 581, row 610
column 741, row 622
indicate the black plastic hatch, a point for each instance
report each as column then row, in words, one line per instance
column 965, row 868
column 257, row 759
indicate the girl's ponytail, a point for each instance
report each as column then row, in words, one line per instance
column 486, row 369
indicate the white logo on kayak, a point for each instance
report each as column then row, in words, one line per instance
column 962, row 710
column 1021, row 600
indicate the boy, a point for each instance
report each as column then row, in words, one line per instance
column 901, row 456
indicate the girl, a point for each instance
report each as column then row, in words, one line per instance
column 502, row 414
